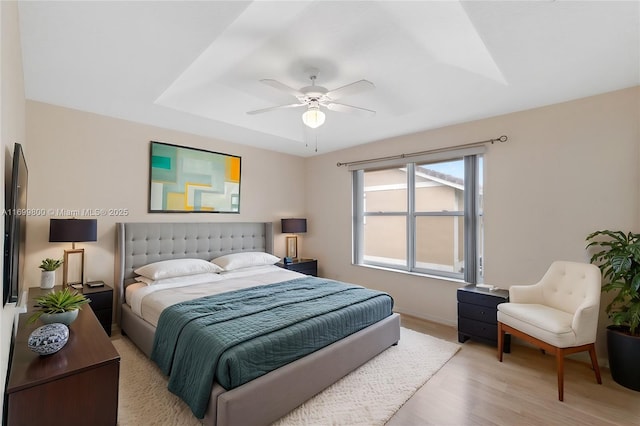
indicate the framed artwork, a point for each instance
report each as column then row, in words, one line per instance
column 191, row 180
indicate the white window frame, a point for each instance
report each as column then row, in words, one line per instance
column 471, row 213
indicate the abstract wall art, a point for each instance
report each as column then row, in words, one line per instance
column 191, row 180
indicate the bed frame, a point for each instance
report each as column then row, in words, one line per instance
column 269, row 397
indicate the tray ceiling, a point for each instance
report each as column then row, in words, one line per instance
column 196, row 66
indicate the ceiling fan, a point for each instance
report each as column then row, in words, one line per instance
column 316, row 97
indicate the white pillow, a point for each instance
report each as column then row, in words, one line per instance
column 230, row 262
column 176, row 268
column 207, row 277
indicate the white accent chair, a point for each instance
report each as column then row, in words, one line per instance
column 559, row 314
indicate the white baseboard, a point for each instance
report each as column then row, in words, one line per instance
column 421, row 315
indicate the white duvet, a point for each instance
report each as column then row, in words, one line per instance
column 148, row 301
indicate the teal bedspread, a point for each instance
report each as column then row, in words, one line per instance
column 237, row 336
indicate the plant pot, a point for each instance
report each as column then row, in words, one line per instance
column 624, row 353
column 65, row 318
column 47, row 279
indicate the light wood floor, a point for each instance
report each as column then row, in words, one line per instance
column 474, row 388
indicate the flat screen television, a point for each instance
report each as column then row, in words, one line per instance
column 15, row 225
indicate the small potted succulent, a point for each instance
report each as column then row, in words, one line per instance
column 59, row 306
column 48, row 277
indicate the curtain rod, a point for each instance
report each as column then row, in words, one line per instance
column 502, row 138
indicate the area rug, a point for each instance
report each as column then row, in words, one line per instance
column 368, row 396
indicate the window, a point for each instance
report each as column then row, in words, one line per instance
column 423, row 216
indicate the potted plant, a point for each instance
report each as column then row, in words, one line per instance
column 619, row 261
column 59, row 306
column 48, row 277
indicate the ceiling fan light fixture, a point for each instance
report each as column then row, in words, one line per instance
column 313, row 117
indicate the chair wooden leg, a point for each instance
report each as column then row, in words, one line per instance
column 560, row 367
column 594, row 362
column 559, row 352
column 500, row 341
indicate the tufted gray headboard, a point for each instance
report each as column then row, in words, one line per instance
column 138, row 244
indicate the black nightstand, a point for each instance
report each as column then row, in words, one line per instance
column 477, row 315
column 304, row 266
column 101, row 304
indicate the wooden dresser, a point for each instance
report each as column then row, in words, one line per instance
column 79, row 383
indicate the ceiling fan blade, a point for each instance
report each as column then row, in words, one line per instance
column 281, row 86
column 333, row 106
column 350, row 89
column 260, row 111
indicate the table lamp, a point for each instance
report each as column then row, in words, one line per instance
column 72, row 231
column 293, row 226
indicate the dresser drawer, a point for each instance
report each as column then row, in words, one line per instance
column 307, row 271
column 482, row 299
column 478, row 329
column 102, row 300
column 478, row 312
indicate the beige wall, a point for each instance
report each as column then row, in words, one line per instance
column 79, row 160
column 567, row 170
column 12, row 129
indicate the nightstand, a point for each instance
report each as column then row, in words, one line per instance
column 101, row 304
column 478, row 315
column 304, row 266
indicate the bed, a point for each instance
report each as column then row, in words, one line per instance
column 272, row 395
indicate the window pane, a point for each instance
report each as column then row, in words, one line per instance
column 385, row 191
column 440, row 243
column 440, row 186
column 385, row 240
column 441, row 202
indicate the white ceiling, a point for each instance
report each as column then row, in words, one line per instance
column 196, row 66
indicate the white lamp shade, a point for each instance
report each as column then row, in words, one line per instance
column 313, row 117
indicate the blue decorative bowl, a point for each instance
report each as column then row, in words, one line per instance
column 48, row 339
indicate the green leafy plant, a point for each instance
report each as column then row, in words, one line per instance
column 57, row 302
column 50, row 264
column 619, row 262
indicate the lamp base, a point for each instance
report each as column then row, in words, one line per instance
column 292, row 246
column 78, row 267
